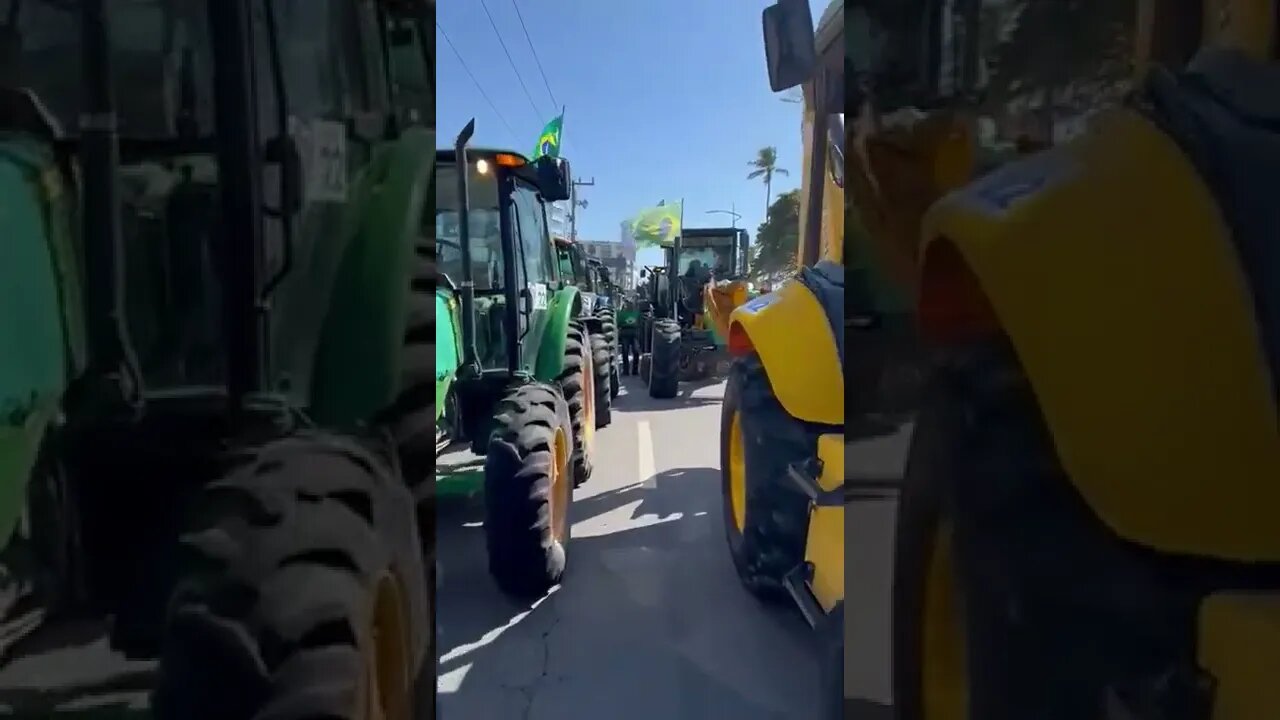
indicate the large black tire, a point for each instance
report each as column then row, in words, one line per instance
column 292, row 565
column 771, row 542
column 526, row 490
column 664, row 367
column 412, row 415
column 576, row 381
column 984, row 483
column 642, row 367
column 602, row 364
column 609, row 326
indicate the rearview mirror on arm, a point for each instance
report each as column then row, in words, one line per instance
column 788, row 43
column 554, row 181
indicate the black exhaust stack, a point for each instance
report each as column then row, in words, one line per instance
column 467, row 291
column 111, row 353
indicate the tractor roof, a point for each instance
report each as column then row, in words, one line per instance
column 449, row 155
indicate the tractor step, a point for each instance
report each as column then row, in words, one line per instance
column 797, row 584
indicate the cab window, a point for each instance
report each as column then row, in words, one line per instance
column 531, row 227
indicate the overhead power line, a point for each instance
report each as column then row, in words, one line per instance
column 510, row 61
column 536, row 61
column 479, row 87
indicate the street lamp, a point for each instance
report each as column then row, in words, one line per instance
column 733, row 212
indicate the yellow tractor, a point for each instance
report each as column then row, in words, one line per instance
column 781, row 434
column 1087, row 526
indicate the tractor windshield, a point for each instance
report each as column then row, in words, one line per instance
column 161, row 59
column 485, row 226
column 709, row 259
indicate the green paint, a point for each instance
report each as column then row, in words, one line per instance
column 358, row 361
column 31, row 319
column 463, row 483
column 448, row 347
column 550, row 352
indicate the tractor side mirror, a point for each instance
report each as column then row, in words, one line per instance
column 554, row 181
column 788, row 43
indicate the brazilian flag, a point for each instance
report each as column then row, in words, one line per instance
column 656, row 226
column 549, row 140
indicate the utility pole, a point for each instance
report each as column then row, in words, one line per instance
column 574, row 204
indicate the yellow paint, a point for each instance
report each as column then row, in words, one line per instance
column 388, row 663
column 720, row 302
column 1119, row 288
column 737, row 472
column 1245, row 25
column 560, row 486
column 943, row 672
column 1239, row 645
column 825, row 545
column 793, row 338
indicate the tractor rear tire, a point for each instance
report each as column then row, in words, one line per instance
column 771, row 541
column 664, row 368
column 602, row 364
column 574, row 380
column 301, row 576
column 411, row 416
column 526, row 490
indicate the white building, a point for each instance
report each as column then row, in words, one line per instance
column 619, row 258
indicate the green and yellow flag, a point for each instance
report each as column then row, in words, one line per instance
column 656, row 226
column 549, row 140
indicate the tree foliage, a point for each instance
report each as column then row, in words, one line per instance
column 765, row 166
column 777, row 239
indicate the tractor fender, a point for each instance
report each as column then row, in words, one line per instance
column 562, row 307
column 1107, row 264
column 358, row 359
column 791, row 333
column 40, row 314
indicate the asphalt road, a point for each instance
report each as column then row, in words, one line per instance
column 650, row 620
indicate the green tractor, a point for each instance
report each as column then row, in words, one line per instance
column 592, row 280
column 514, row 359
column 207, row 269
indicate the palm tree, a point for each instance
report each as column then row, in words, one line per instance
column 766, row 165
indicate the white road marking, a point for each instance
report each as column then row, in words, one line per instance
column 644, row 445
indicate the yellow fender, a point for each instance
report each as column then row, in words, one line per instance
column 790, row 333
column 1106, row 262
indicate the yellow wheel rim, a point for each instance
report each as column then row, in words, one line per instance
column 943, row 671
column 737, row 472
column 559, row 507
column 388, row 665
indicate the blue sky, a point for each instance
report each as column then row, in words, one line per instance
column 665, row 99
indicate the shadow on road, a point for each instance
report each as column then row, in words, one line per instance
column 650, row 620
column 636, row 398
column 81, row 700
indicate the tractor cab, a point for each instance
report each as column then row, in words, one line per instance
column 576, row 270
column 493, row 244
